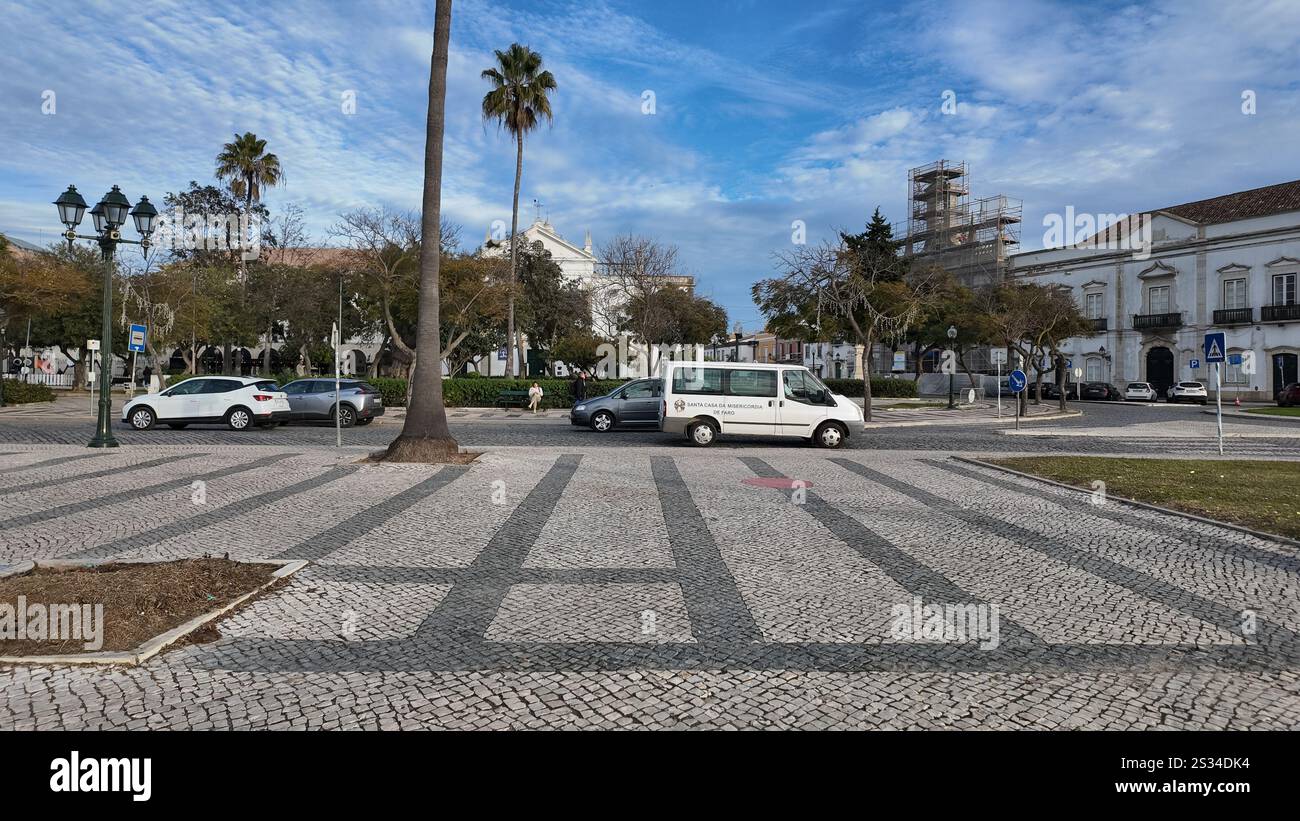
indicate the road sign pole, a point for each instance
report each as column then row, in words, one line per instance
column 999, row 364
column 1218, row 399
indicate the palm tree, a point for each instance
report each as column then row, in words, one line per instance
column 245, row 164
column 248, row 168
column 425, row 436
column 517, row 100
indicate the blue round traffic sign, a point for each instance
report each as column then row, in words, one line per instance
column 1016, row 381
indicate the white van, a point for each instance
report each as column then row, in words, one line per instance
column 704, row 399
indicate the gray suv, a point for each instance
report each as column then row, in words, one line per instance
column 636, row 403
column 313, row 399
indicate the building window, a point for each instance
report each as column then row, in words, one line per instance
column 1284, row 289
column 1234, row 294
column 1093, row 369
column 1092, row 305
column 1232, row 374
column 1158, row 299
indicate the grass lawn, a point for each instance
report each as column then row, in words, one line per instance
column 1258, row 494
column 1275, row 411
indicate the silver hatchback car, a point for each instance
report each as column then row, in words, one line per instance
column 358, row 402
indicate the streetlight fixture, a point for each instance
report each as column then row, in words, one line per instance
column 108, row 215
column 952, row 338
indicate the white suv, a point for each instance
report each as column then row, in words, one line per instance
column 237, row 401
column 1140, row 391
column 1188, row 392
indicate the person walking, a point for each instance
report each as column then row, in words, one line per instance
column 579, row 387
column 534, row 397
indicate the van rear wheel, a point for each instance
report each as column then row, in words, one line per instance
column 702, row 434
column 830, row 435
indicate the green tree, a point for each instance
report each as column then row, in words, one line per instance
column 518, row 99
column 425, row 436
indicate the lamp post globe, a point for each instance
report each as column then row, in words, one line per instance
column 116, row 206
column 72, row 207
column 144, row 215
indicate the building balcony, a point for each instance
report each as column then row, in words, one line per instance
column 1234, row 316
column 1147, row 322
column 1280, row 313
column 1099, row 325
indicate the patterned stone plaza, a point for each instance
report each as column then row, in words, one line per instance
column 582, row 587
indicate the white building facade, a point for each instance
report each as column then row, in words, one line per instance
column 1229, row 264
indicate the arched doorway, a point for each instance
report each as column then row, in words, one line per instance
column 1160, row 369
column 1286, row 369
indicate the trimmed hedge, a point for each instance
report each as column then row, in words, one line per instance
column 482, row 392
column 884, row 388
column 22, row 393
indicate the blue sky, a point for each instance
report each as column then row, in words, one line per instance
column 765, row 112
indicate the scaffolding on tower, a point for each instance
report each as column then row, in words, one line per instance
column 968, row 238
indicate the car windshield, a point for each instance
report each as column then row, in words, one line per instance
column 1137, row 386
column 268, row 386
column 1190, row 385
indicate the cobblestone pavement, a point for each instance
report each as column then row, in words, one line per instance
column 603, row 587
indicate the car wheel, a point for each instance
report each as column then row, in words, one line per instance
column 702, row 434
column 347, row 416
column 178, row 425
column 602, row 421
column 142, row 419
column 239, row 418
column 829, row 435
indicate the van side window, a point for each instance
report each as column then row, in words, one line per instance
column 697, row 380
column 802, row 389
column 751, row 383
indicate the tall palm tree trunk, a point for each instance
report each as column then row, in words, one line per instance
column 511, row 340
column 425, row 436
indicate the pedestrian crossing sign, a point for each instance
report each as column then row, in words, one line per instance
column 1215, row 346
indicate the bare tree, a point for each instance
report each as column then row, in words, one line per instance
column 833, row 290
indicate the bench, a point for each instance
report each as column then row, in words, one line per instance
column 506, row 398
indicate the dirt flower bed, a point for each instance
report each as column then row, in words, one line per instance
column 120, row 605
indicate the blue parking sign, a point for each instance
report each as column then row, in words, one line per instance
column 135, row 342
column 1195, row 364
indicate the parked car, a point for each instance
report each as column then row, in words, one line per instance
column 238, row 401
column 1289, row 395
column 1140, row 392
column 1188, row 392
column 1051, row 391
column 358, row 402
column 635, row 403
column 1103, row 391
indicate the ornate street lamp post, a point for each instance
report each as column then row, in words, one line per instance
column 952, row 337
column 109, row 214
